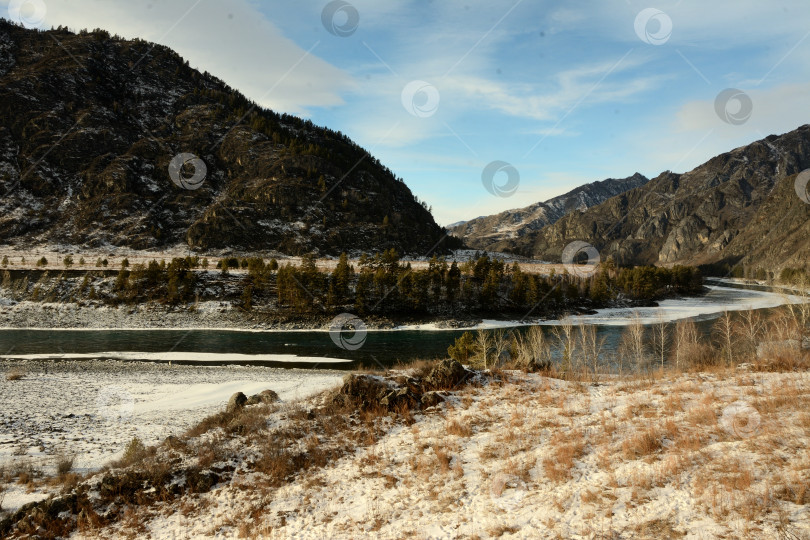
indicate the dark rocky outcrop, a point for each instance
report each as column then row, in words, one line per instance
column 91, row 123
column 740, row 207
column 446, row 374
column 431, row 399
column 368, row 392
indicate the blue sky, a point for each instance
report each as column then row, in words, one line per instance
column 566, row 91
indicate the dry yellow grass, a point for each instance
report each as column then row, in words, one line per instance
column 455, row 427
column 15, row 374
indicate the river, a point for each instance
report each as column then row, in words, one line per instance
column 89, row 392
column 381, row 348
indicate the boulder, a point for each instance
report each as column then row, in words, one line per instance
column 200, row 481
column 399, row 398
column 364, row 390
column 265, row 396
column 535, row 365
column 431, row 399
column 445, row 375
column 237, row 401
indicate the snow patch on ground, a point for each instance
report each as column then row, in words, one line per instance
column 544, row 458
column 94, row 408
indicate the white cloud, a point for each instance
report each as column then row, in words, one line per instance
column 586, row 85
column 229, row 38
column 695, row 133
column 775, row 110
column 545, row 101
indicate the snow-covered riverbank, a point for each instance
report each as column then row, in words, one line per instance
column 93, row 408
column 689, row 455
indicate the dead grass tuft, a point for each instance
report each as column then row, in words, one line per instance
column 15, row 374
column 566, row 449
column 454, row 427
column 643, row 442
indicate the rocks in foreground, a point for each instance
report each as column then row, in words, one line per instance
column 239, row 400
column 369, row 392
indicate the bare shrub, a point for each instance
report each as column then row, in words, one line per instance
column 64, row 463
column 135, row 452
column 531, row 349
column 690, row 352
column 500, row 343
column 686, row 338
column 643, row 442
column 454, row 427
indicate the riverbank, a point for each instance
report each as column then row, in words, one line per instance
column 90, row 409
column 718, row 454
column 215, row 315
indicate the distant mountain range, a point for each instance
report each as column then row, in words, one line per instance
column 739, row 208
column 93, row 128
column 499, row 232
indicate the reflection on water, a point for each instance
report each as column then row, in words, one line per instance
column 382, row 348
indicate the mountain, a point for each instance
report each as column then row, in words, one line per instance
column 499, row 231
column 91, row 125
column 739, row 208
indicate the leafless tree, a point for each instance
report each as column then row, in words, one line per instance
column 532, row 347
column 686, row 339
column 483, row 342
column 799, row 308
column 564, row 334
column 660, row 334
column 749, row 329
column 632, row 343
column 723, row 333
column 500, row 343
column 590, row 348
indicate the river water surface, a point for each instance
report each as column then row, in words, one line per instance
column 316, row 349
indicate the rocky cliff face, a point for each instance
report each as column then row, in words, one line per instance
column 91, row 128
column 499, row 232
column 739, row 207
